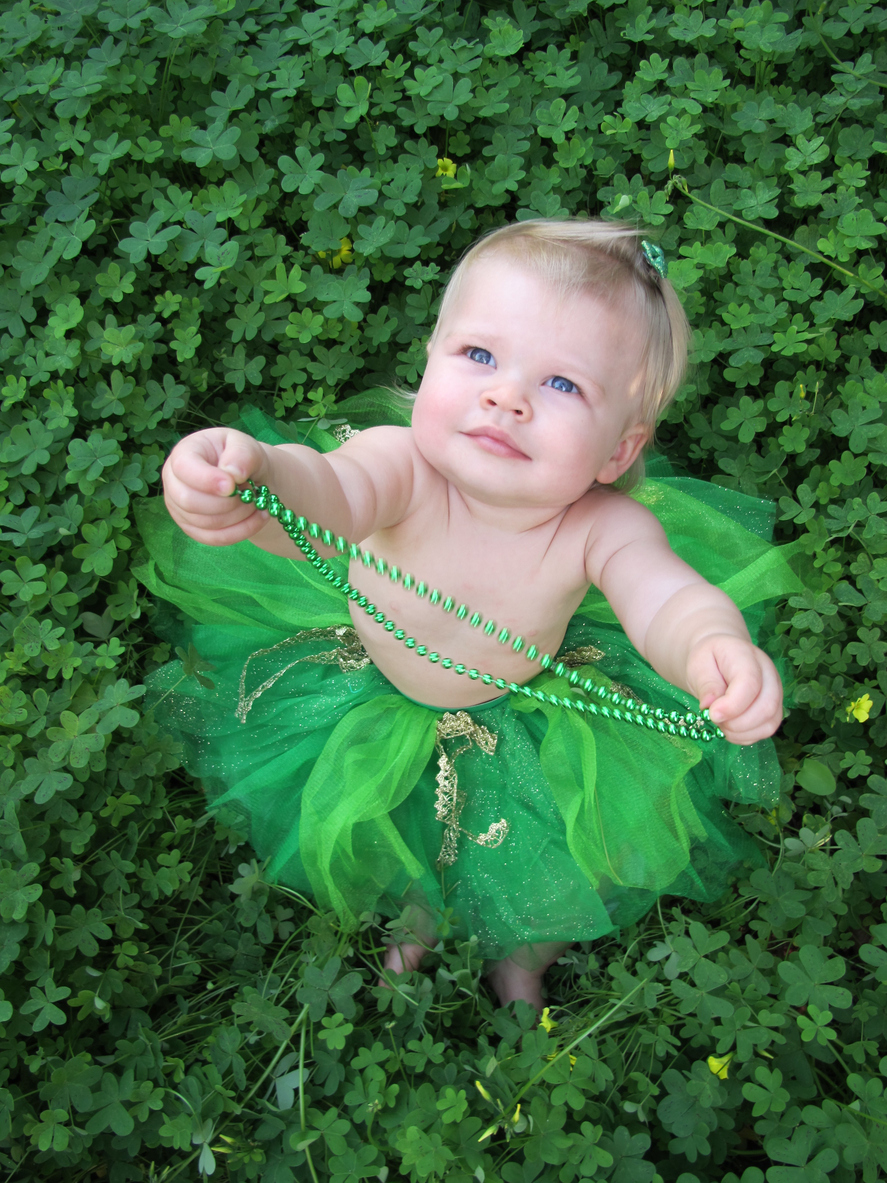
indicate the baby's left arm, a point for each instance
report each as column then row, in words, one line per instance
column 690, row 632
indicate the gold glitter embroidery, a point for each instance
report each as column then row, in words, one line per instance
column 449, row 799
column 584, row 655
column 349, row 654
column 342, row 432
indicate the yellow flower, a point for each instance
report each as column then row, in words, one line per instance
column 718, row 1065
column 548, row 1023
column 445, row 167
column 515, row 1116
column 342, row 255
column 801, row 391
column 671, row 161
column 861, row 709
column 483, row 1092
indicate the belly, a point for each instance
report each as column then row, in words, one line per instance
column 441, row 640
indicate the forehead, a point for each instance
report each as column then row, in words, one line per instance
column 505, row 295
column 506, row 307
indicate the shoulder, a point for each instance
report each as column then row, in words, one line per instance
column 613, row 521
column 382, row 470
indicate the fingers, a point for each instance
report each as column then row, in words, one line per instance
column 199, row 478
column 741, row 688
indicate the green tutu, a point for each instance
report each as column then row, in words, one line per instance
column 517, row 821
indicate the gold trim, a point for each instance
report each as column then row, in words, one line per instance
column 449, row 799
column 349, row 654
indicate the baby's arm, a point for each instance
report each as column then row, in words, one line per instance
column 361, row 487
column 690, row 632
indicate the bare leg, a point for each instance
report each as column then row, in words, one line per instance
column 403, row 956
column 402, row 959
column 513, row 979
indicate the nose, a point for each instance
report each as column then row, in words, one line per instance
column 508, row 396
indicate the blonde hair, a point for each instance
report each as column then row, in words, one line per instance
column 603, row 260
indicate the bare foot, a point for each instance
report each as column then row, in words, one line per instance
column 512, row 982
column 402, row 959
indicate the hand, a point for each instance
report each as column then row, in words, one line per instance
column 739, row 685
column 199, row 477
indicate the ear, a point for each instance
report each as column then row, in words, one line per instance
column 627, row 451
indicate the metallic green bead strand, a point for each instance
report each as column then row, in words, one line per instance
column 687, row 725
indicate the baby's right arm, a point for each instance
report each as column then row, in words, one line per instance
column 361, row 487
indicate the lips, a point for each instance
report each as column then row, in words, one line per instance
column 496, row 442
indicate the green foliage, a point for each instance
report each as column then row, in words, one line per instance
column 262, row 198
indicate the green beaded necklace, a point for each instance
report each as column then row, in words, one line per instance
column 611, row 705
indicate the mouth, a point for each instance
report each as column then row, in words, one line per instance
column 496, row 442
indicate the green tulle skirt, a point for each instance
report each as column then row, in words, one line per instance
column 516, row 821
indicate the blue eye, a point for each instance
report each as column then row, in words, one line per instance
column 481, row 356
column 564, row 384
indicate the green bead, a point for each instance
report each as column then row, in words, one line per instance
column 286, row 518
column 370, row 609
column 574, row 678
column 459, row 668
column 410, row 642
column 487, row 679
column 381, row 566
column 447, row 663
column 500, row 684
column 473, row 675
column 559, row 670
column 513, row 688
column 380, row 617
column 247, row 496
column 367, row 558
column 346, row 588
column 353, row 551
column 354, row 594
column 313, row 530
column 362, row 601
column 341, row 544
column 421, row 589
column 545, row 660
column 476, row 619
column 394, row 574
column 328, row 537
column 504, row 634
column 262, row 498
column 421, row 650
column 408, row 581
column 489, row 628
column 434, row 658
column 517, row 644
column 399, row 634
column 274, row 506
column 389, row 626
column 435, row 596
column 461, row 612
column 532, row 653
column 449, row 604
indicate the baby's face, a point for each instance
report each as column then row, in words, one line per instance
column 529, row 399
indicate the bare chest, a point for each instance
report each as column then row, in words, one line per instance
column 475, row 596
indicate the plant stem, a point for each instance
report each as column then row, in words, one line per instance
column 681, row 185
column 566, row 1050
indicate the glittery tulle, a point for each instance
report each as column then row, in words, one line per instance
column 520, row 821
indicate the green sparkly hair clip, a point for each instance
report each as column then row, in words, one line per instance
column 655, row 257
